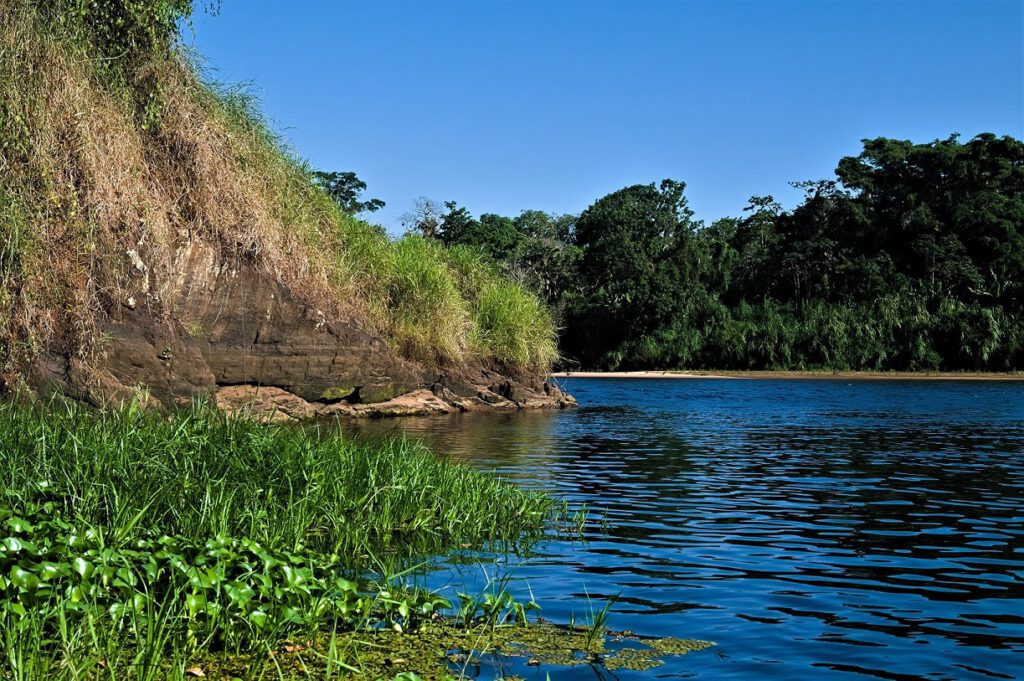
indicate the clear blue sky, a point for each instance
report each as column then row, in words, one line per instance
column 503, row 106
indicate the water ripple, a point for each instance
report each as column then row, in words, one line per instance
column 812, row 529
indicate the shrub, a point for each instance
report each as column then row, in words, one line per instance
column 513, row 325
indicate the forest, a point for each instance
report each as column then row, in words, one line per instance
column 911, row 258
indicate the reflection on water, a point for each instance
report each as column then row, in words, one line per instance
column 817, row 529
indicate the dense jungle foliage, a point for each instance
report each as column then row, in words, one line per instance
column 912, row 258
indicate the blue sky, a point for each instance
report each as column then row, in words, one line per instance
column 503, row 106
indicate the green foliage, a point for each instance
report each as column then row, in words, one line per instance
column 139, row 546
column 227, row 590
column 123, row 30
column 346, row 189
column 911, row 260
column 535, row 248
column 200, row 475
column 638, row 266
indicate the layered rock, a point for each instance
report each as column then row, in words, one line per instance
column 237, row 335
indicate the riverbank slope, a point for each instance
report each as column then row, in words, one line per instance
column 159, row 242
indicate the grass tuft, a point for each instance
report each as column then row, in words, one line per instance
column 513, row 327
column 201, row 474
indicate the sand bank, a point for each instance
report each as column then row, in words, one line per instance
column 802, row 375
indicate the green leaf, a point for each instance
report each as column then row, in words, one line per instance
column 23, row 579
column 82, row 567
column 196, row 603
column 19, row 525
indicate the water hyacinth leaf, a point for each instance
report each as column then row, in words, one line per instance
column 203, row 579
column 83, row 567
column 48, row 570
column 239, row 593
column 259, row 618
column 12, row 544
column 125, row 578
column 19, row 525
column 23, row 579
column 289, row 615
column 196, row 603
column 292, row 577
column 105, row 575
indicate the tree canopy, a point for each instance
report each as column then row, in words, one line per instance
column 911, row 257
column 346, row 189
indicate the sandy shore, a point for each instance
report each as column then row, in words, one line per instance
column 802, row 375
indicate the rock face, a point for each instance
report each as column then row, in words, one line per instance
column 242, row 338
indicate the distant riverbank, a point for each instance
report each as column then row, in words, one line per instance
column 803, row 375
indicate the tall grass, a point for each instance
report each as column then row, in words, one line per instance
column 424, row 308
column 201, row 474
column 513, row 327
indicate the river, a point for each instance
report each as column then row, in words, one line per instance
column 813, row 529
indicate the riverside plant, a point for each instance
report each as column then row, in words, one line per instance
column 221, row 594
column 200, row 474
column 145, row 546
column 134, row 543
column 77, row 606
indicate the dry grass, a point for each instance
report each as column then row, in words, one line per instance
column 96, row 204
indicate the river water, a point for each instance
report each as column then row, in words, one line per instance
column 819, row 529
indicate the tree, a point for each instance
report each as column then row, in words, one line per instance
column 425, row 217
column 346, row 189
column 950, row 214
column 638, row 261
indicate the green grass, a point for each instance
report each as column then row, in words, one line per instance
column 514, row 328
column 200, row 474
column 424, row 306
column 133, row 543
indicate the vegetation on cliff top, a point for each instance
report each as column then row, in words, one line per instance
column 116, row 157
